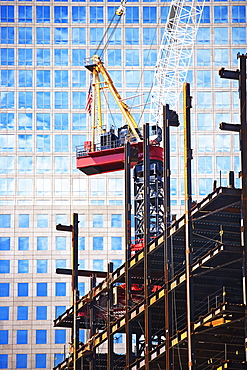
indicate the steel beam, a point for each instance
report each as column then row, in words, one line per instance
column 188, row 227
column 147, row 282
column 92, row 364
column 167, row 244
column 243, row 148
column 128, row 302
column 110, row 347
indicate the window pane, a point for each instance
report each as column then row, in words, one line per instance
column 42, row 243
column 98, row 265
column 220, row 14
column 41, row 336
column 78, row 121
column 60, row 242
column 21, row 361
column 41, row 313
column 22, row 313
column 21, row 336
column 98, row 220
column 61, row 57
column 42, row 14
column 43, row 165
column 98, row 243
column 5, row 220
column 96, row 14
column 25, row 35
column 42, row 266
column 116, row 242
column 41, row 290
column 6, row 164
column 61, row 79
column 81, row 288
column 61, row 164
column 4, row 313
column 4, row 361
column 81, row 243
column 60, row 289
column 4, row 266
column 61, row 121
column 132, row 14
column 23, row 266
column 115, row 187
column 43, row 79
column 4, row 243
column 60, row 264
column 116, row 220
column 23, row 243
column 4, row 337
column 60, row 336
column 4, row 290
column 79, row 36
column 25, row 14
column 43, row 35
column 60, row 14
column 40, row 361
column 42, row 220
column 43, row 121
column 7, row 121
column 7, row 57
column 22, row 289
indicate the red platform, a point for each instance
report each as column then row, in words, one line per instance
column 110, row 160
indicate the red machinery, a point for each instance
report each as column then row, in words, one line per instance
column 107, row 154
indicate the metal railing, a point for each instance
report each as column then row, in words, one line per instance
column 82, row 152
column 202, row 308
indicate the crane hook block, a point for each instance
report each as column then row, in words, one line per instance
column 121, row 10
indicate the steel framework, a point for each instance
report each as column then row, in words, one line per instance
column 182, row 297
column 218, row 326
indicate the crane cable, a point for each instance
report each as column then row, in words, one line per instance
column 119, row 12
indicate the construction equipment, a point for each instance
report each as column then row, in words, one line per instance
column 105, row 151
column 174, row 56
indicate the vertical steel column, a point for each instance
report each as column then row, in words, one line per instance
column 110, row 349
column 92, row 364
column 147, row 318
column 167, row 246
column 188, row 227
column 75, row 293
column 240, row 75
column 243, row 148
column 127, row 193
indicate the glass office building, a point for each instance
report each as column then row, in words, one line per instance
column 43, row 96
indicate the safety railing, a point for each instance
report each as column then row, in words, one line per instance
column 211, row 301
column 83, row 150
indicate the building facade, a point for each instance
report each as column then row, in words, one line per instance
column 43, row 96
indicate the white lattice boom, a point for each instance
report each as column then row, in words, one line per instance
column 174, row 55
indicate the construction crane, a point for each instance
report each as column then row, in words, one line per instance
column 174, row 55
column 107, row 154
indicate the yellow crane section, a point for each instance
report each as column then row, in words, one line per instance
column 96, row 69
